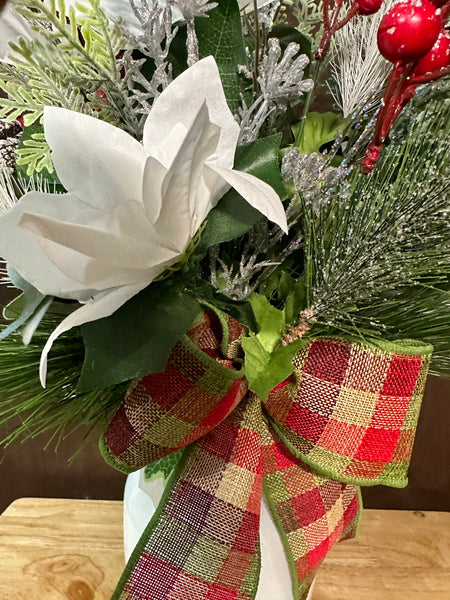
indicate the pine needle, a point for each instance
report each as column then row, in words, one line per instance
column 57, row 409
column 384, row 252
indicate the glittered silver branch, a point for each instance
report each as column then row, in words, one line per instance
column 153, row 41
column 314, row 179
column 190, row 10
column 280, row 80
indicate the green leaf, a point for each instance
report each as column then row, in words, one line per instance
column 265, row 370
column 270, row 321
column 295, row 301
column 320, row 128
column 267, row 362
column 241, row 311
column 163, row 467
column 220, row 35
column 137, row 339
column 233, row 216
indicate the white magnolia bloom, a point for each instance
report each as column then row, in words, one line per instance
column 131, row 209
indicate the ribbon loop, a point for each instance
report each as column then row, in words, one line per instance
column 163, row 412
column 347, row 416
column 351, row 409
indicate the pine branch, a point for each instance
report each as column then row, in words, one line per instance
column 81, row 56
column 57, row 409
column 392, row 235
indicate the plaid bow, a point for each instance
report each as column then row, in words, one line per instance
column 346, row 417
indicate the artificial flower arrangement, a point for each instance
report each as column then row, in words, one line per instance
column 241, row 289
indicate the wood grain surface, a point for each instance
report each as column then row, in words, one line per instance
column 72, row 550
column 60, row 549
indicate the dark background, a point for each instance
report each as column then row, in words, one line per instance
column 27, row 470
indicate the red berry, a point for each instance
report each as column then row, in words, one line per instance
column 437, row 58
column 439, row 3
column 371, row 157
column 408, row 31
column 369, row 7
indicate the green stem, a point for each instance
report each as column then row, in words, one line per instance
column 308, row 101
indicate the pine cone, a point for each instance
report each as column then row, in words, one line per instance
column 10, row 134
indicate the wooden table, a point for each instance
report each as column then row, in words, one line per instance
column 72, row 550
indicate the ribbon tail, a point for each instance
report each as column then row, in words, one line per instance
column 311, row 512
column 203, row 541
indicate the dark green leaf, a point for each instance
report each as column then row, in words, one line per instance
column 137, row 338
column 295, row 301
column 220, row 35
column 178, row 52
column 241, row 311
column 233, row 216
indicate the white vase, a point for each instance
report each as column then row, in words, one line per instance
column 141, row 498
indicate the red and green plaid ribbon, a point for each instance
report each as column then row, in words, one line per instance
column 346, row 417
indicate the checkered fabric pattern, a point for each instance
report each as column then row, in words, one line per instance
column 204, row 544
column 346, row 416
column 312, row 512
column 202, row 383
column 350, row 410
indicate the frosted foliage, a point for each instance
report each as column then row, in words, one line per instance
column 153, row 41
column 280, row 80
column 191, row 9
column 312, row 178
column 357, row 66
column 194, row 8
column 283, row 79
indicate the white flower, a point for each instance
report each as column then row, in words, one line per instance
column 131, row 209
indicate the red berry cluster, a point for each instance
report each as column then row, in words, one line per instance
column 411, row 35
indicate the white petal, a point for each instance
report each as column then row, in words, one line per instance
column 104, row 305
column 186, row 191
column 113, row 246
column 97, row 274
column 18, row 247
column 257, row 193
column 152, row 182
column 180, row 103
column 99, row 163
